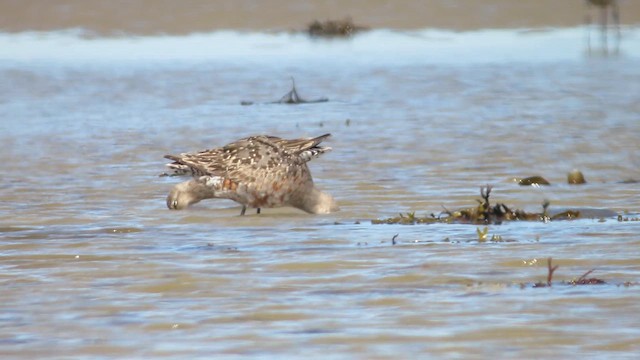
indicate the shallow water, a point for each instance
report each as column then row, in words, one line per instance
column 94, row 265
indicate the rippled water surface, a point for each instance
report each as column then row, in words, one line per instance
column 94, row 265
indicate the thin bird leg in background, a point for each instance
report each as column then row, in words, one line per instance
column 604, row 16
column 587, row 20
column 615, row 14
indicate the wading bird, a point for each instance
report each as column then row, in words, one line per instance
column 258, row 171
column 604, row 7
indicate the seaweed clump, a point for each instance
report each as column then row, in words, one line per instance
column 290, row 98
column 408, row 219
column 484, row 213
column 582, row 280
column 333, row 28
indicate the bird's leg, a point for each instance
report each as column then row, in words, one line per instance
column 244, row 210
column 615, row 13
column 604, row 15
column 587, row 20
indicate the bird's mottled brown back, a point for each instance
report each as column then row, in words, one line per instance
column 261, row 171
column 297, row 146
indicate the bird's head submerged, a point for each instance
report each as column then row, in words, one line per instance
column 188, row 193
column 326, row 204
column 315, row 201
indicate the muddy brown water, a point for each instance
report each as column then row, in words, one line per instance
column 93, row 265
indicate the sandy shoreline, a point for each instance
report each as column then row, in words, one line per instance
column 148, row 17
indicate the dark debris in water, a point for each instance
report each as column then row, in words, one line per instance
column 483, row 214
column 533, row 181
column 582, row 280
column 550, row 270
column 334, row 28
column 626, row 218
column 574, row 177
column 290, row 98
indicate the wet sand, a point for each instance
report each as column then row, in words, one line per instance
column 146, row 17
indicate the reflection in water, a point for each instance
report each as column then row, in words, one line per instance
column 604, row 8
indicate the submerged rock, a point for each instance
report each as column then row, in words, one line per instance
column 533, row 181
column 575, row 177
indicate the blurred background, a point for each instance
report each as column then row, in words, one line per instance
column 145, row 17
